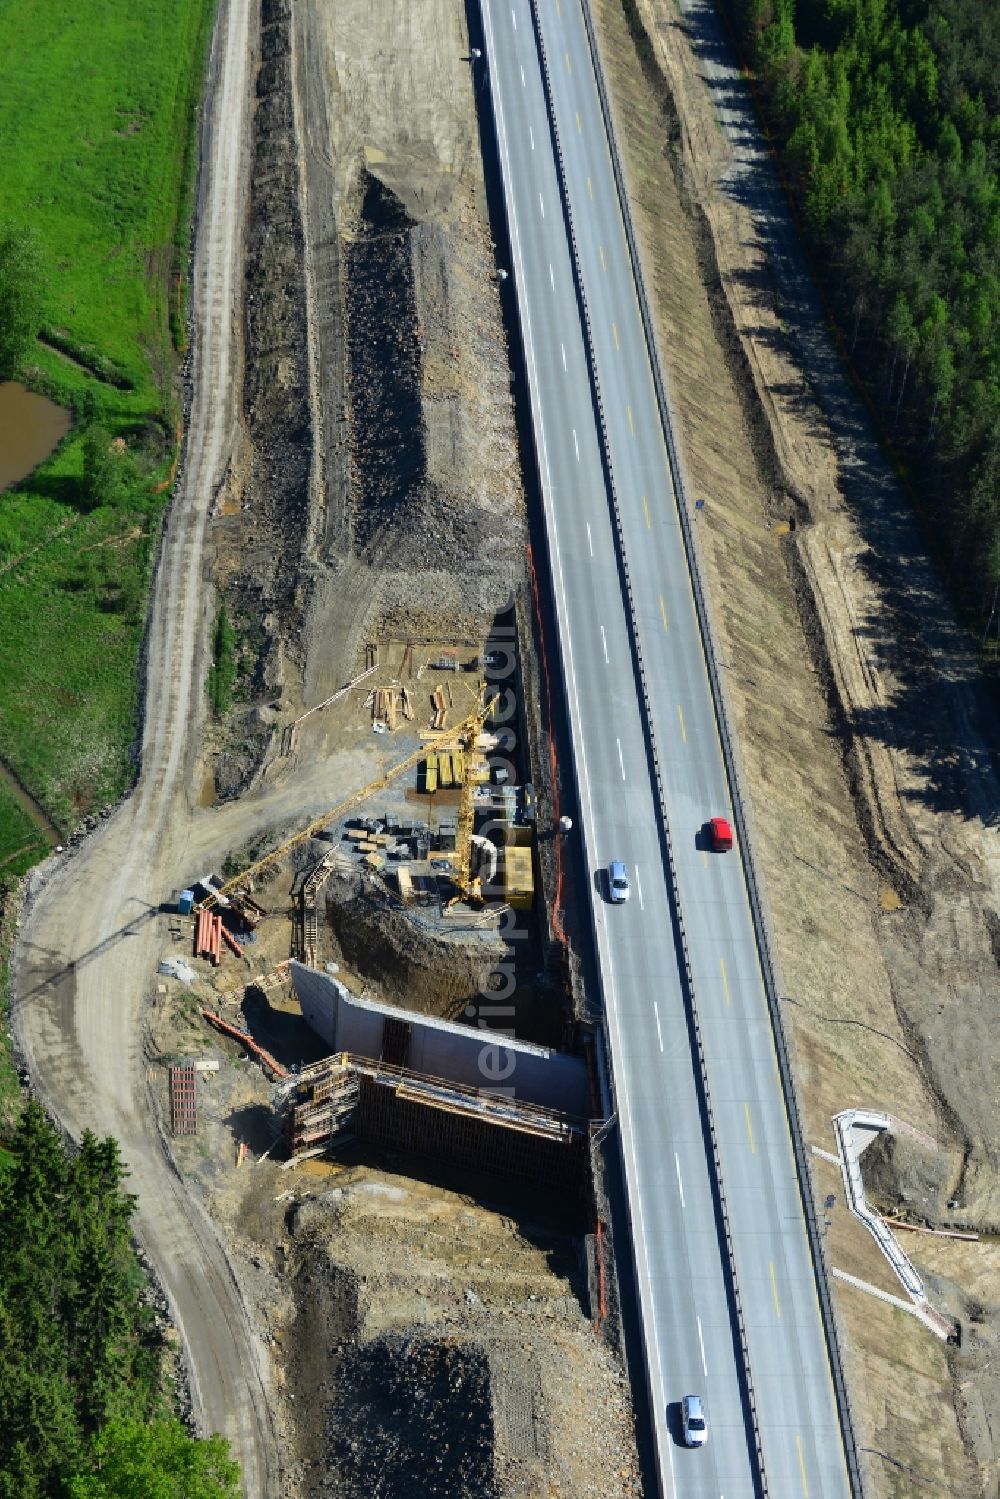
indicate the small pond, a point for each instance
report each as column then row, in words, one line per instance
column 30, row 427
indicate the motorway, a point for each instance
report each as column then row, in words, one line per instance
column 690, row 1342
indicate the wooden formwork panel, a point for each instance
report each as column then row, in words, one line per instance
column 389, row 1120
column 183, row 1100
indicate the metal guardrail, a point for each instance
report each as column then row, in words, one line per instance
column 735, row 777
column 672, row 880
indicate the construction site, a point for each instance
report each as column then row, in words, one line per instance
column 429, row 868
column 377, row 996
column 344, row 1017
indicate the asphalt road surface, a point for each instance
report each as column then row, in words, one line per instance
column 689, row 1336
column 89, row 944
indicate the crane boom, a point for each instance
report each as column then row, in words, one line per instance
column 469, row 726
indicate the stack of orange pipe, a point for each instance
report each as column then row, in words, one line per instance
column 208, row 937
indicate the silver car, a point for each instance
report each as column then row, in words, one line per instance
column 693, row 1419
column 617, row 882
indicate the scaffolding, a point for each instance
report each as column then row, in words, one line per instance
column 348, row 1097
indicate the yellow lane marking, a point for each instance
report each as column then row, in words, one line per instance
column 614, row 330
column 725, row 981
column 558, row 11
column 774, row 1288
column 590, row 187
column 704, row 858
column 663, row 613
column 600, row 251
column 746, row 1115
column 569, row 65
column 631, row 424
column 802, row 1466
column 680, row 715
column 645, row 510
column 579, row 127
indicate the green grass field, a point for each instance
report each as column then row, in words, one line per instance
column 98, row 102
column 24, row 841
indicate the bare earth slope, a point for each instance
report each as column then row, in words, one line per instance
column 80, row 973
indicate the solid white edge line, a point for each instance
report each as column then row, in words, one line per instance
column 659, row 1033
column 638, row 886
column 604, row 642
column 563, row 348
column 531, row 137
column 701, row 1344
column 650, row 1330
column 621, row 757
column 680, row 1183
column 590, row 539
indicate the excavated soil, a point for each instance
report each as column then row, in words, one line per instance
column 376, row 491
column 453, row 1344
column 866, row 738
column 416, row 473
column 438, row 1339
column 410, row 964
column 440, row 1342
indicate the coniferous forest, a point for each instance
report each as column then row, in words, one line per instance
column 885, row 113
column 84, row 1408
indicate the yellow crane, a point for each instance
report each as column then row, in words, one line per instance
column 467, row 888
column 467, row 731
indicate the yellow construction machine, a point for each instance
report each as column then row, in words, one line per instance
column 463, row 734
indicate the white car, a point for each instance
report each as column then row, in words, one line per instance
column 617, row 882
column 693, row 1418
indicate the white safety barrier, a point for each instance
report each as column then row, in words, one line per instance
column 854, row 1186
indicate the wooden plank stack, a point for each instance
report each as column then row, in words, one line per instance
column 387, row 703
column 439, row 705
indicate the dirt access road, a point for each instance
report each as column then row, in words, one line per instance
column 86, row 947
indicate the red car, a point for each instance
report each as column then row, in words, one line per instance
column 720, row 835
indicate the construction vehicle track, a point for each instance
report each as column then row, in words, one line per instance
column 78, row 1022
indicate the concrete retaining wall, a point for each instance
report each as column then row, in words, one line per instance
column 457, row 1053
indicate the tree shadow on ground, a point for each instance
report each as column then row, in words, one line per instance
column 943, row 708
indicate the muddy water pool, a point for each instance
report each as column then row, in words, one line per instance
column 30, row 427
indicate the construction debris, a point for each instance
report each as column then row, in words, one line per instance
column 176, row 968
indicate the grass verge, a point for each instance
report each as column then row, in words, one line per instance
column 98, row 111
